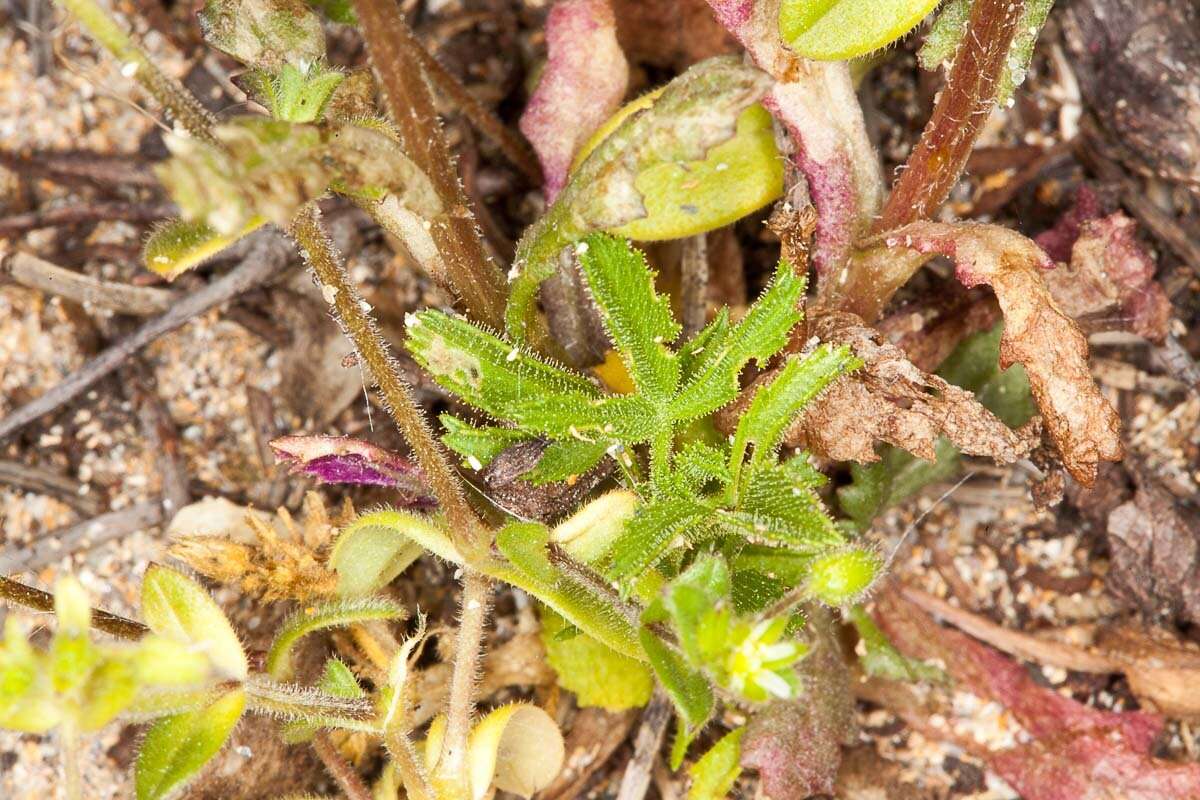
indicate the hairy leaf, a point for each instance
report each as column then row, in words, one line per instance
column 178, row 608
column 647, row 536
column 844, row 29
column 176, row 748
column 714, row 774
column 478, row 446
column 598, row 675
column 179, row 245
column 566, row 460
column 378, row 546
column 687, row 687
column 319, row 617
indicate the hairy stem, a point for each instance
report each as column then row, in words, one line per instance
column 405, row 760
column 941, row 154
column 36, row 599
column 304, row 704
column 135, row 62
column 72, row 779
column 354, row 315
column 397, row 58
column 451, row 777
column 348, row 779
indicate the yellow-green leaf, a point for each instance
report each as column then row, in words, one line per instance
column 177, row 607
column 598, row 675
column 179, row 245
column 178, row 747
column 713, row 775
column 836, row 30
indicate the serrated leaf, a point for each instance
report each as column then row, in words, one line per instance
column 760, row 334
column 701, row 463
column 598, row 675
column 320, row 616
column 836, row 30
column 565, row 460
column 177, row 607
column 176, row 748
column 693, row 352
column 687, row 687
column 717, row 770
column 649, row 534
column 776, row 405
column 773, row 508
column 371, row 551
column 478, row 445
column 567, row 587
column 636, row 317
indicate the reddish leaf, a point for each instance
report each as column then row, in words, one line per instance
column 582, row 85
column 337, row 459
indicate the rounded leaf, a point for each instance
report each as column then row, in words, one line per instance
column 178, row 747
column 519, row 748
column 178, row 608
column 836, row 30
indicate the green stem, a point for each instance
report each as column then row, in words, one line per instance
column 408, row 764
column 136, row 63
column 452, row 779
column 660, row 455
column 72, row 779
column 354, row 315
column 304, row 704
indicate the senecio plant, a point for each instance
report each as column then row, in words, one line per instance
column 697, row 552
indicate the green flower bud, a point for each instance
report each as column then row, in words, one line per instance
column 841, row 578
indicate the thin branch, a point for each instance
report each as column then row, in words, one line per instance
column 397, row 57
column 81, row 536
column 348, row 779
column 261, row 263
column 511, row 144
column 34, row 273
column 46, row 481
column 81, row 213
column 452, row 774
column 636, row 779
column 29, row 597
column 170, row 93
column 693, row 290
column 359, row 327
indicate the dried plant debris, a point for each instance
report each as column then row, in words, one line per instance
column 1136, row 62
column 1037, row 334
column 269, row 557
column 583, row 82
column 1109, row 274
column 891, row 400
column 1155, row 546
column 1073, row 751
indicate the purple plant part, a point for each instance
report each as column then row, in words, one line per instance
column 1107, row 268
column 1073, row 752
column 582, row 85
column 340, row 459
column 1037, row 333
column 815, row 102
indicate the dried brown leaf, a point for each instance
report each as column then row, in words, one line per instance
column 1037, row 333
column 891, row 400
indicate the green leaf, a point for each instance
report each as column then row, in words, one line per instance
column 263, row 33
column 178, row 608
column 717, row 770
column 649, row 534
column 775, row 405
column 339, row 11
column 566, row 586
column 760, row 334
column 773, row 507
column 478, row 446
column 836, row 30
column 699, row 463
column 698, row 605
column 176, row 748
column 687, row 687
column 588, row 534
column 176, row 246
column 841, row 578
column 598, row 675
column 883, row 660
column 337, row 681
column 636, row 317
column 371, row 551
column 565, row 460
column 317, row 617
column 301, row 95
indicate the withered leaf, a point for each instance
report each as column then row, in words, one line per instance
column 891, row 400
column 1037, row 334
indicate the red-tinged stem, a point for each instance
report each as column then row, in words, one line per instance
column 397, row 58
column 941, row 154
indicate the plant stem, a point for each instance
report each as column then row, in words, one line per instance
column 135, row 62
column 304, row 704
column 36, row 599
column 350, row 782
column 405, row 759
column 354, row 315
column 395, row 55
column 939, row 157
column 72, row 779
column 451, row 777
